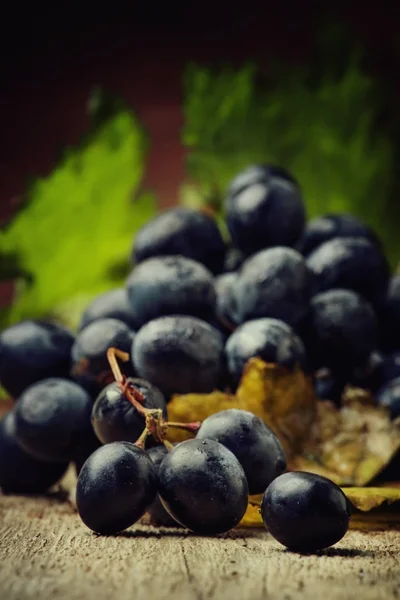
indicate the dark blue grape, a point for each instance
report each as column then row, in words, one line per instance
column 254, row 444
column 265, row 214
column 305, row 512
column 234, row 259
column 225, row 310
column 170, row 285
column 203, row 486
column 89, row 353
column 31, row 351
column 184, row 231
column 274, row 283
column 115, row 419
column 157, row 512
column 272, row 340
column 389, row 397
column 390, row 316
column 343, row 331
column 21, row 473
column 329, row 386
column 179, row 355
column 351, row 263
column 109, row 305
column 322, row 229
column 52, row 419
column 260, row 173
column 371, row 376
column 116, row 486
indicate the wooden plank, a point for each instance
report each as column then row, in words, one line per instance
column 46, row 553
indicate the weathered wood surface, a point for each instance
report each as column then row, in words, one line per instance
column 46, row 553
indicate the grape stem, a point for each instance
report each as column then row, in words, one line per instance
column 156, row 425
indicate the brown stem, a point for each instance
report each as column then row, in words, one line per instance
column 168, row 445
column 192, row 427
column 126, row 386
column 141, row 441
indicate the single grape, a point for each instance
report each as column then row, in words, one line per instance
column 274, row 283
column 179, row 354
column 184, row 231
column 265, row 214
column 254, row 444
column 203, row 486
column 225, row 309
column 371, row 376
column 253, row 174
column 272, row 340
column 89, row 353
column 31, row 351
column 234, row 259
column 351, row 263
column 157, row 512
column 170, row 285
column 109, row 305
column 115, row 487
column 52, row 419
column 329, row 386
column 115, row 419
column 389, row 397
column 21, row 473
column 343, row 331
column 305, row 512
column 327, row 227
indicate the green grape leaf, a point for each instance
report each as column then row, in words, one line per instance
column 72, row 236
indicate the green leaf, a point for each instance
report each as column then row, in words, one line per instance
column 74, row 232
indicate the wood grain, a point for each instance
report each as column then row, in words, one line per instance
column 47, row 553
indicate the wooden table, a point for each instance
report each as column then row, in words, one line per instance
column 46, row 553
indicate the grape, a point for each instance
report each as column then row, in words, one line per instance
column 113, row 304
column 343, row 330
column 253, row 443
column 114, row 418
column 265, row 214
column 329, row 386
column 389, row 397
column 203, row 486
column 115, row 487
column 372, row 375
column 21, row 473
column 31, row 351
column 331, row 226
column 182, row 231
column 52, row 419
column 168, row 285
column 272, row 340
column 391, row 316
column 179, row 354
column 257, row 174
column 157, row 511
column 225, row 310
column 351, row 263
column 274, row 283
column 234, row 259
column 305, row 512
column 89, row 352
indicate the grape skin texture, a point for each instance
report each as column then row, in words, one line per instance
column 52, row 419
column 255, row 446
column 305, row 512
column 21, row 473
column 203, row 486
column 31, row 351
column 109, row 305
column 116, row 486
column 182, row 231
column 168, row 285
column 179, row 354
column 114, row 418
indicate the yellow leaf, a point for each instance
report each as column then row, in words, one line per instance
column 368, row 498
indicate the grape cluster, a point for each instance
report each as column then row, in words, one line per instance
column 194, row 310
